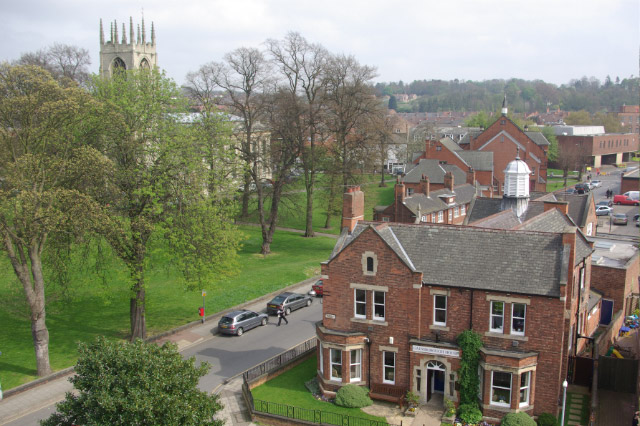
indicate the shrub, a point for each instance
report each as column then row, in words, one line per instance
column 412, row 399
column 449, row 407
column 353, row 396
column 470, row 413
column 517, row 419
column 546, row 419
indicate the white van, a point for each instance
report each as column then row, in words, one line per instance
column 634, row 195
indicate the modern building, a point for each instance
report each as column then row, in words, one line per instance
column 127, row 53
column 629, row 116
column 398, row 295
column 591, row 146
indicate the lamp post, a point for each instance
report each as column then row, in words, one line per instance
column 564, row 400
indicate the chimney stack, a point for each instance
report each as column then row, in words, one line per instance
column 563, row 206
column 425, row 185
column 471, row 176
column 352, row 207
column 448, row 180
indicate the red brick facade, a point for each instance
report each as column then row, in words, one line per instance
column 506, row 140
column 398, row 333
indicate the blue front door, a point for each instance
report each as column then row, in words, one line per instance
column 438, row 381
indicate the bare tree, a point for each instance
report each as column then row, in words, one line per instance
column 243, row 76
column 63, row 61
column 350, row 99
column 302, row 65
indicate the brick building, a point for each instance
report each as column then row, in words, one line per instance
column 396, row 296
column 591, row 146
column 506, row 141
column 478, row 165
column 629, row 116
column 630, row 181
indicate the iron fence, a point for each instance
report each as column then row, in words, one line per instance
column 312, row 416
column 279, row 361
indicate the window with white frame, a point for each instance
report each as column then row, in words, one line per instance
column 389, row 367
column 409, row 192
column 582, row 278
column 525, row 385
column 440, row 309
column 360, row 308
column 321, row 359
column 356, row 365
column 450, row 214
column 589, row 228
column 497, row 316
column 423, row 218
column 456, row 212
column 518, row 313
column 385, row 219
column 500, row 388
column 440, row 216
column 463, row 210
column 433, row 218
column 378, row 305
column 336, row 364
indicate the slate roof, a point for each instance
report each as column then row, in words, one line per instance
column 506, row 219
column 450, row 144
column 435, row 172
column 538, row 138
column 579, row 207
column 434, row 203
column 466, row 140
column 482, row 207
column 475, row 258
column 480, row 161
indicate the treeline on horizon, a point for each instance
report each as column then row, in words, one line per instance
column 523, row 96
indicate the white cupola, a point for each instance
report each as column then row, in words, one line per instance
column 516, row 179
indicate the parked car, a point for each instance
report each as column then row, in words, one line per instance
column 619, row 219
column 636, row 219
column 595, row 183
column 582, row 188
column 634, row 195
column 316, row 289
column 237, row 322
column 603, row 210
column 607, row 203
column 288, row 302
column 626, row 200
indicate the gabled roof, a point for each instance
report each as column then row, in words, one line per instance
column 579, row 206
column 450, row 144
column 420, row 203
column 538, row 138
column 475, row 258
column 506, row 219
column 435, row 172
column 482, row 207
column 480, row 161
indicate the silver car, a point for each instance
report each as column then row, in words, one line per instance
column 288, row 302
column 237, row 322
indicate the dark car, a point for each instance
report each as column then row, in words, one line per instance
column 237, row 322
column 317, row 288
column 288, row 302
column 607, row 203
column 582, row 188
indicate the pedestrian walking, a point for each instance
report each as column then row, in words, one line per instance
column 282, row 316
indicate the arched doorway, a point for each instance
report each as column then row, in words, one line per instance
column 435, row 378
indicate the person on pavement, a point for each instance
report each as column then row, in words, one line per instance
column 282, row 316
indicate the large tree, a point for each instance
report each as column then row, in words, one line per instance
column 163, row 184
column 47, row 174
column 63, row 61
column 122, row 384
column 301, row 67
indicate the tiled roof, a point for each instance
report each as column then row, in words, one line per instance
column 475, row 258
column 481, row 208
column 503, row 220
column 450, row 144
column 435, row 172
column 538, row 138
column 579, row 207
column 434, row 203
column 480, row 161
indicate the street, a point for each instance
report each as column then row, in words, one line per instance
column 231, row 355
column 612, row 181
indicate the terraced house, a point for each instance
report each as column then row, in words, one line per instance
column 396, row 296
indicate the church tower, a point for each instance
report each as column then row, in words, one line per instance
column 127, row 54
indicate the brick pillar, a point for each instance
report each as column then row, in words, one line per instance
column 448, row 180
column 471, row 176
column 424, row 185
column 352, row 207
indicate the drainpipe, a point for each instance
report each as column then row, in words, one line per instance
column 367, row 340
column 471, row 312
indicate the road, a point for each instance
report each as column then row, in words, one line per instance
column 231, row 355
column 612, row 181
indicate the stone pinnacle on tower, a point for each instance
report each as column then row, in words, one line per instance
column 138, row 34
column 144, row 36
column 115, row 32
column 101, row 33
column 124, row 34
column 111, row 29
column 131, row 39
column 153, row 35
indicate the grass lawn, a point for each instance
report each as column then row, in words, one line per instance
column 292, row 210
column 98, row 304
column 288, row 388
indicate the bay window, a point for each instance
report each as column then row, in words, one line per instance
column 500, row 388
column 336, row 364
column 356, row 365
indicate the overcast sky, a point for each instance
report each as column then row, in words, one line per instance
column 551, row 40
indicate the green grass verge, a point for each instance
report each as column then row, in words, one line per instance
column 292, row 210
column 98, row 303
column 288, row 388
column 555, row 184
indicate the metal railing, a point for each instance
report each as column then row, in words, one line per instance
column 312, row 416
column 281, row 360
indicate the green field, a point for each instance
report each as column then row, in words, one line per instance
column 292, row 210
column 288, row 388
column 98, row 302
